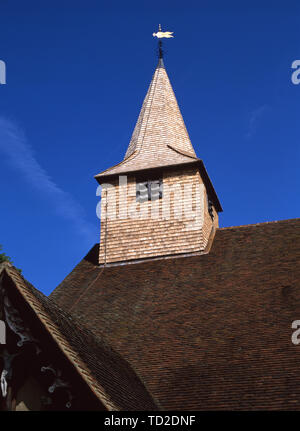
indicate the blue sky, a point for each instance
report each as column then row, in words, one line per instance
column 77, row 72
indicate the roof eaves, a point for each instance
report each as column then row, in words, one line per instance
column 210, row 188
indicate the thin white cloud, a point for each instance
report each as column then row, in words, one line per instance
column 254, row 120
column 20, row 155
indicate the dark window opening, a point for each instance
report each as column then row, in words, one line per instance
column 149, row 190
column 210, row 208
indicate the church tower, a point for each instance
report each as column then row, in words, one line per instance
column 159, row 201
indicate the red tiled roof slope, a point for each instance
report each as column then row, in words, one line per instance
column 204, row 332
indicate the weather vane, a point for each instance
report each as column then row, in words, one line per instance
column 160, row 34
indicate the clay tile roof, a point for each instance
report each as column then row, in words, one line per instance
column 205, row 332
column 160, row 137
column 107, row 374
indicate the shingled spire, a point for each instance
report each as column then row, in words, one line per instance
column 160, row 137
column 159, row 200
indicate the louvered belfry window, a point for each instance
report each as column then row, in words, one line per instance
column 210, row 208
column 149, row 190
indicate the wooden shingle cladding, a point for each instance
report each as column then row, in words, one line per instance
column 206, row 332
column 160, row 227
column 108, row 379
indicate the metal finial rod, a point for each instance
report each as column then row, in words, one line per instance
column 160, row 34
column 160, row 49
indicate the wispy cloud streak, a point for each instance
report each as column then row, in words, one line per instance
column 254, row 120
column 20, row 155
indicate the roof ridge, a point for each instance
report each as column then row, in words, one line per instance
column 258, row 224
column 5, row 264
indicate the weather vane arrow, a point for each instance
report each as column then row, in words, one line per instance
column 161, row 34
